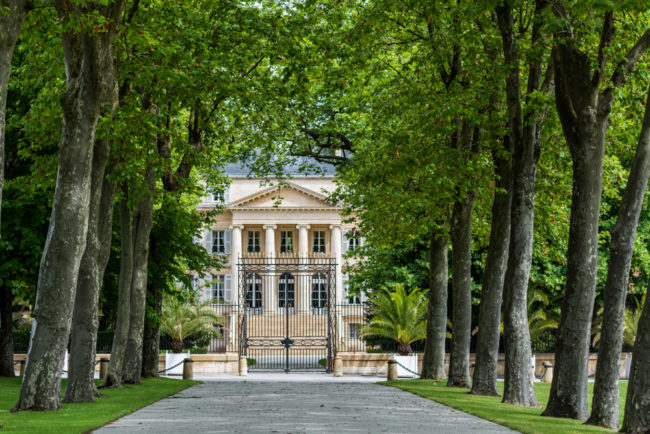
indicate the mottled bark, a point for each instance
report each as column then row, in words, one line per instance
column 88, row 62
column 151, row 345
column 433, row 363
column 461, row 245
column 11, row 23
column 584, row 113
column 524, row 132
column 6, row 333
column 115, row 366
column 85, row 320
column 484, row 381
column 604, row 409
column 142, row 224
column 637, row 401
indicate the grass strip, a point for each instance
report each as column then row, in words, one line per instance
column 79, row 418
column 523, row 419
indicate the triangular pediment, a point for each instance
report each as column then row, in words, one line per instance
column 286, row 196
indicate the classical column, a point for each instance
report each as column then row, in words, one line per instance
column 235, row 256
column 338, row 258
column 302, row 287
column 270, row 302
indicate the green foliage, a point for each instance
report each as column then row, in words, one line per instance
column 397, row 315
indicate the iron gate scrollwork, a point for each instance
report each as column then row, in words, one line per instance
column 287, row 318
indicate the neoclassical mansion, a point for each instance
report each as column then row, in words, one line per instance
column 284, row 248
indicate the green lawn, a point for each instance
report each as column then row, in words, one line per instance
column 527, row 420
column 76, row 418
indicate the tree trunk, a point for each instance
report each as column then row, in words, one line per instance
column 151, row 346
column 604, row 410
column 85, row 320
column 143, row 222
column 584, row 112
column 637, row 404
column 525, row 136
column 484, row 381
column 6, row 333
column 433, row 363
column 11, row 23
column 88, row 63
column 568, row 396
column 518, row 387
column 118, row 351
column 461, row 245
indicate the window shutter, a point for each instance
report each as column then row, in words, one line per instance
column 226, row 194
column 362, row 240
column 227, row 288
column 227, row 241
column 208, row 241
column 346, row 242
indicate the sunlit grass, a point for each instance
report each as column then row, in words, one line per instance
column 526, row 420
column 78, row 418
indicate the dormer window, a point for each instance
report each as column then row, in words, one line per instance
column 222, row 196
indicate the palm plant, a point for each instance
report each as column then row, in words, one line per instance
column 630, row 322
column 181, row 320
column 540, row 319
column 399, row 316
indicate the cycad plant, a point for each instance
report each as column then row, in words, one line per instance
column 399, row 316
column 181, row 320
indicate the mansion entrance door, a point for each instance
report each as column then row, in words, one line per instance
column 287, row 319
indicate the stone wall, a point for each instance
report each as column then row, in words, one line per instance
column 353, row 363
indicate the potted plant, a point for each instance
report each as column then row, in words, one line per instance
column 399, row 316
column 181, row 320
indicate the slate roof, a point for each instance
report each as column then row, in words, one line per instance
column 241, row 170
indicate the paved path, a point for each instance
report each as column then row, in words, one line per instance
column 261, row 405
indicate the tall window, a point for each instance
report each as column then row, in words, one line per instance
column 353, row 240
column 221, row 288
column 319, row 241
column 286, row 291
column 351, row 297
column 254, row 294
column 254, row 242
column 353, row 330
column 318, row 294
column 286, row 242
column 221, row 241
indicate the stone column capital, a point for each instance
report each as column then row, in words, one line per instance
column 267, row 227
column 240, row 227
column 332, row 227
column 303, row 226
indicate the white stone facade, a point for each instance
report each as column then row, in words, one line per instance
column 291, row 219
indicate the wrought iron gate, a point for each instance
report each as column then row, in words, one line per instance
column 286, row 318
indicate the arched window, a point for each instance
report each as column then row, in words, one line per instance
column 254, row 294
column 286, row 291
column 318, row 293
